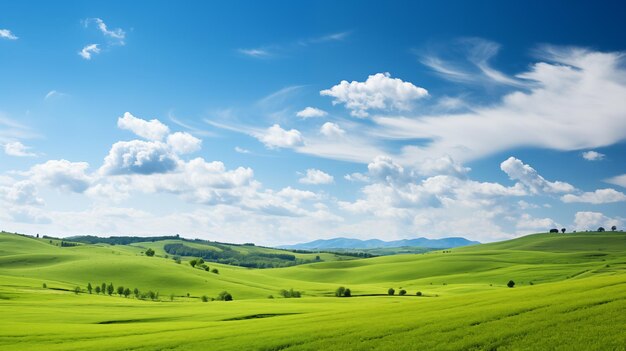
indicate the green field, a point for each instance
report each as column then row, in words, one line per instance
column 570, row 294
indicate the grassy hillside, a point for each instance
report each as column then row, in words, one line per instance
column 569, row 294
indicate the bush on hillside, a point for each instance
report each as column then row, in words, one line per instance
column 402, row 292
column 510, row 284
column 391, row 291
column 419, row 293
column 149, row 252
column 225, row 296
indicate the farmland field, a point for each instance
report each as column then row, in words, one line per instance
column 569, row 293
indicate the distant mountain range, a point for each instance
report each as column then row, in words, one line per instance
column 347, row 243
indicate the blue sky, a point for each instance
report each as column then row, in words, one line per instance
column 281, row 122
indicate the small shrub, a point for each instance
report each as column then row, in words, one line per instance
column 215, row 270
column 510, row 284
column 149, row 252
column 205, row 298
column 76, row 290
column 419, row 293
column 270, row 297
column 391, row 291
column 340, row 291
column 45, row 286
column 402, row 292
column 347, row 293
column 225, row 296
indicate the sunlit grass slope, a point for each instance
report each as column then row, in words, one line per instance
column 576, row 300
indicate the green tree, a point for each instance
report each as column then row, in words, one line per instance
column 347, row 293
column 402, row 292
column 97, row 289
column 149, row 252
column 76, row 290
column 215, row 270
column 340, row 291
column 172, row 297
column 510, row 284
column 193, row 262
column 103, row 288
column 126, row 292
column 614, row 228
column 136, row 293
column 200, row 261
column 419, row 293
column 204, row 298
column 601, row 229
column 89, row 288
column 391, row 291
column 110, row 289
column 120, row 290
column 45, row 286
column 225, row 296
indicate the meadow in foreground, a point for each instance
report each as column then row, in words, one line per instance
column 569, row 294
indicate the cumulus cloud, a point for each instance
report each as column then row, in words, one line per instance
column 379, row 92
column 600, row 196
column 241, row 150
column 18, row 149
column 88, row 51
column 277, row 137
column 22, row 193
column 311, row 112
column 528, row 176
column 62, row 174
column 150, row 130
column 586, row 220
column 183, row 143
column 441, row 165
column 315, row 176
column 357, row 177
column 592, row 155
column 7, row 34
column 528, row 222
column 138, row 156
column 332, row 130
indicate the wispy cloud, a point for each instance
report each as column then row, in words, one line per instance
column 16, row 148
column 278, row 50
column 53, row 94
column 117, row 35
column 7, row 34
column 257, row 53
column 88, row 51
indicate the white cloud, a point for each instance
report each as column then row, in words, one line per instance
column 22, row 193
column 7, row 34
column 183, row 143
column 275, row 136
column 551, row 112
column 18, row 149
column 241, row 150
column 441, row 165
column 117, row 33
column 618, row 180
column 332, row 130
column 315, row 176
column 593, row 220
column 62, row 174
column 311, row 112
column 297, row 194
column 53, row 94
column 592, row 155
column 151, row 130
column 600, row 196
column 527, row 222
column 258, row 53
column 89, row 50
column 528, row 176
column 379, row 91
column 141, row 157
column 357, row 177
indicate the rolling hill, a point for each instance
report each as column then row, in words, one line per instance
column 569, row 294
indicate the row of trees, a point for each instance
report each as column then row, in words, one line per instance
column 109, row 289
column 563, row 230
column 199, row 263
column 223, row 296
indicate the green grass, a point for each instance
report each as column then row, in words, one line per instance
column 576, row 301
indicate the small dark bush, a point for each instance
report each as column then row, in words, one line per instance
column 391, row 291
column 510, row 284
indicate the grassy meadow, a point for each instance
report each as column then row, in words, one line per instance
column 569, row 294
